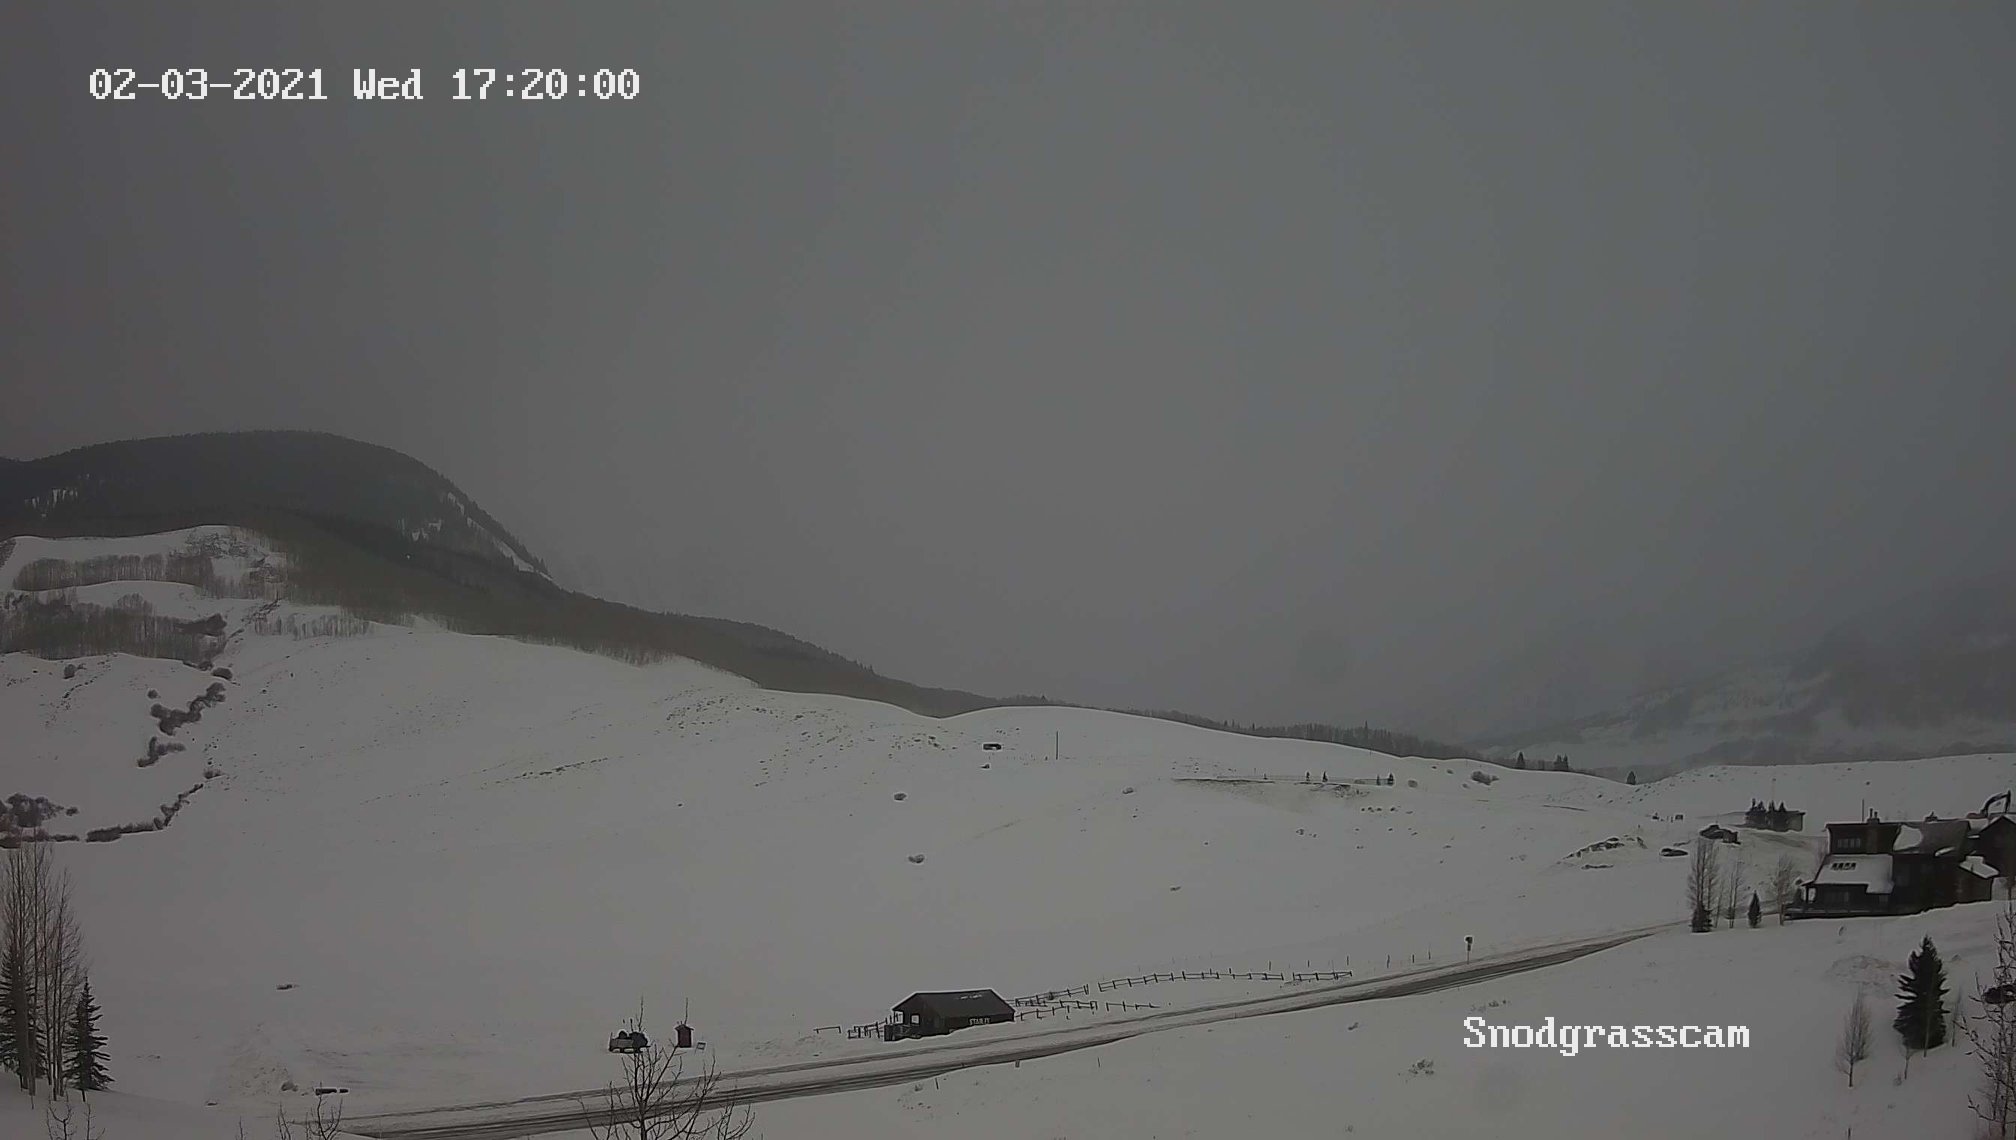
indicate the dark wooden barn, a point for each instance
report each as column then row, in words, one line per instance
column 930, row 1014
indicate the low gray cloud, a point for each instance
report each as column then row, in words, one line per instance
column 1312, row 361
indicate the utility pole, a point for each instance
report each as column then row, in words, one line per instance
column 1057, row 745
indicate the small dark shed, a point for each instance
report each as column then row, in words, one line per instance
column 930, row 1014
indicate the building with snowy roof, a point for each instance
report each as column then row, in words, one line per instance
column 1877, row 866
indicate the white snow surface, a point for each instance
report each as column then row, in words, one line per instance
column 1344, row 1071
column 468, row 859
column 1871, row 871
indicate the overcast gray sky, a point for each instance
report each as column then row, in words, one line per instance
column 1405, row 362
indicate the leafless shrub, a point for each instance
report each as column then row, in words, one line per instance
column 60, row 1122
column 657, row 1101
column 1993, row 1036
column 1853, row 1047
column 1784, row 884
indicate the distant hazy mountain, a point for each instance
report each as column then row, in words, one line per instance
column 1933, row 674
column 383, row 534
column 309, row 472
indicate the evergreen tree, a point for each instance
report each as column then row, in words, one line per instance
column 1701, row 923
column 17, row 1002
column 1631, row 777
column 1521, row 762
column 87, row 1056
column 1921, row 1017
column 1756, row 910
column 10, row 1055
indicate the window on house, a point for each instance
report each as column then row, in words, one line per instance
column 1848, row 841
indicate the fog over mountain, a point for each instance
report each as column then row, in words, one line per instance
column 1462, row 371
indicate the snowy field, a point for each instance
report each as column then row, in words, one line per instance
column 436, row 868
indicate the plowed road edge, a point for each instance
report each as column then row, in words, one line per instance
column 558, row 1112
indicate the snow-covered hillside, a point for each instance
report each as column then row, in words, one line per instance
column 432, row 867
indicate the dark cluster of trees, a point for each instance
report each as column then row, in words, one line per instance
column 59, row 627
column 1560, row 764
column 48, row 1017
column 1774, row 816
column 190, row 569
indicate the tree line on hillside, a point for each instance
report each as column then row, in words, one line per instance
column 1371, row 739
column 59, row 627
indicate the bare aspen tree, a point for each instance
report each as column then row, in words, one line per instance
column 657, row 1101
column 1703, row 875
column 1993, row 1036
column 1784, row 884
column 59, row 972
column 1733, row 888
column 20, row 927
column 1853, row 1047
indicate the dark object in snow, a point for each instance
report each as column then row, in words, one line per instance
column 1921, row 1015
column 1126, row 791
column 1671, row 852
column 284, row 986
column 932, row 1014
column 986, row 765
column 1718, row 832
column 153, row 694
column 902, row 795
column 220, row 671
column 990, row 746
column 289, row 1086
column 325, row 1090
column 1773, row 817
column 1999, row 995
column 629, row 1041
column 916, row 858
column 69, row 672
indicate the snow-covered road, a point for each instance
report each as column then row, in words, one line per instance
column 562, row 1111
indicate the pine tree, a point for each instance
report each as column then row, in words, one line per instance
column 10, row 1054
column 87, row 1057
column 1921, row 1017
column 1756, row 910
column 1631, row 777
column 17, row 1002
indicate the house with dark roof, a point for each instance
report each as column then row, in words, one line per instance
column 1879, row 866
column 932, row 1014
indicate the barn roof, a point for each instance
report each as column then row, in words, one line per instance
column 1871, row 871
column 957, row 1003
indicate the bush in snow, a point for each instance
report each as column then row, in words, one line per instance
column 1484, row 778
column 916, row 858
column 902, row 795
